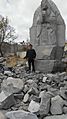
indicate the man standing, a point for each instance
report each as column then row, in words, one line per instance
column 30, row 55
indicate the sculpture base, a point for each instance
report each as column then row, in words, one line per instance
column 48, row 66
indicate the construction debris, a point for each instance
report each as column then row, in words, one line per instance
column 39, row 93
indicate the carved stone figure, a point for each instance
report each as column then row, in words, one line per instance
column 47, row 33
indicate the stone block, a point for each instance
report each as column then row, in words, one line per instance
column 44, row 65
column 44, row 51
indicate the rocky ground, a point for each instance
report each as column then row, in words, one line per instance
column 32, row 96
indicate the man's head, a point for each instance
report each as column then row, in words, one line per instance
column 30, row 46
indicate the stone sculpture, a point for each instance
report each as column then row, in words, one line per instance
column 47, row 34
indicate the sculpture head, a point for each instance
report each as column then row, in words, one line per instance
column 44, row 5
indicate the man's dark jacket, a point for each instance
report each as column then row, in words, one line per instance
column 31, row 54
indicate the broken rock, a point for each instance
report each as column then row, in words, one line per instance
column 63, row 92
column 44, row 79
column 33, row 91
column 26, row 98
column 65, row 110
column 65, row 78
column 41, row 94
column 20, row 115
column 57, row 105
column 19, row 96
column 8, row 73
column 6, row 100
column 34, row 106
column 35, row 98
column 12, row 85
column 45, row 105
column 30, row 81
column 2, row 116
column 57, row 117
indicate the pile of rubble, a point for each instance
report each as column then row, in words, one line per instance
column 32, row 96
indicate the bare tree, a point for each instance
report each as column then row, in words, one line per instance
column 7, row 33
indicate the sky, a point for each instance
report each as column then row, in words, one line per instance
column 20, row 14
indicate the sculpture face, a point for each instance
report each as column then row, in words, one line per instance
column 44, row 5
column 44, row 9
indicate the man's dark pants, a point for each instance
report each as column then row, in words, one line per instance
column 31, row 62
